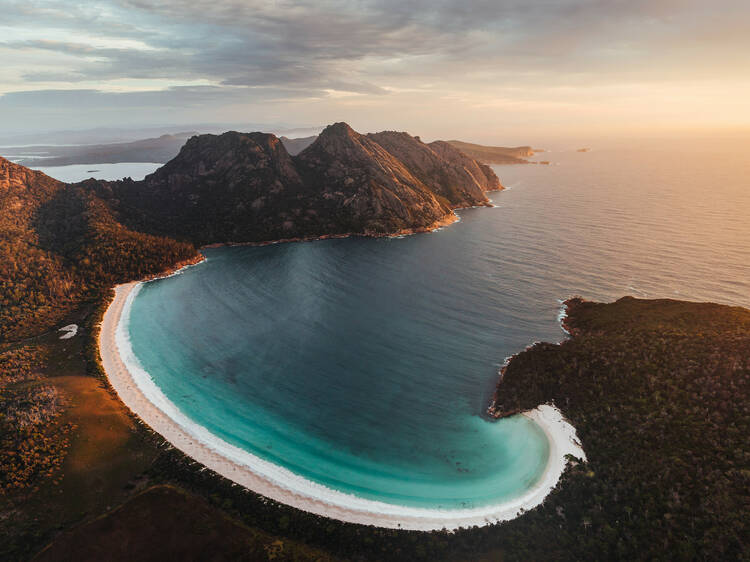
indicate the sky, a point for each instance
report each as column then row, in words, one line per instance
column 486, row 70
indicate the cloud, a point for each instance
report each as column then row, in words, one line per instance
column 253, row 51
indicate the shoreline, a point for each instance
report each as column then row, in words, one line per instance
column 447, row 220
column 139, row 393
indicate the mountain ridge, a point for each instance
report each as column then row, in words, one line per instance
column 64, row 242
column 246, row 187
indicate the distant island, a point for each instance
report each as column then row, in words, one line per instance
column 159, row 149
column 165, row 147
column 495, row 154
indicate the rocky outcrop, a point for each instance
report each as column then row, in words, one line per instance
column 19, row 181
column 371, row 191
column 245, row 187
column 481, row 173
column 450, row 174
column 229, row 187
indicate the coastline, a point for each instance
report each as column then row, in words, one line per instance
column 138, row 392
column 447, row 220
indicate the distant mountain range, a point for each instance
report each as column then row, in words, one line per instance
column 160, row 149
column 165, row 147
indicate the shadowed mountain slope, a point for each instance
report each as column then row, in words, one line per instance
column 58, row 243
column 451, row 174
column 245, row 187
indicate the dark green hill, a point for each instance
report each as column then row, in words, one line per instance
column 62, row 244
column 659, row 392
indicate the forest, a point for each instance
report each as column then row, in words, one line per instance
column 659, row 392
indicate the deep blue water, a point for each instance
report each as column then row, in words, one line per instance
column 365, row 364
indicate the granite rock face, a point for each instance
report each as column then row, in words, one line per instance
column 245, row 187
column 371, row 191
column 15, row 180
column 450, row 174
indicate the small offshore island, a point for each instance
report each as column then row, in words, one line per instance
column 657, row 390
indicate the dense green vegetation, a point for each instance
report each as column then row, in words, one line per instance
column 61, row 245
column 145, row 528
column 658, row 391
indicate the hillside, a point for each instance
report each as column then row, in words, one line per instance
column 494, row 154
column 61, row 248
column 481, row 153
column 245, row 187
column 454, row 177
column 659, row 393
column 60, row 244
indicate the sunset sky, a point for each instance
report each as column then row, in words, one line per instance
column 478, row 70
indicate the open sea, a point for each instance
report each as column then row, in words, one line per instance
column 365, row 365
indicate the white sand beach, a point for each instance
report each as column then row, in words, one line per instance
column 136, row 389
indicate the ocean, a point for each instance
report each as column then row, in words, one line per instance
column 365, row 365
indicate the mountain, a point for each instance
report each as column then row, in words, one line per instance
column 63, row 242
column 246, row 187
column 295, row 146
column 452, row 175
column 367, row 189
column 58, row 243
column 494, row 154
column 233, row 187
column 480, row 153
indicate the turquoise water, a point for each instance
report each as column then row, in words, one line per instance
column 365, row 365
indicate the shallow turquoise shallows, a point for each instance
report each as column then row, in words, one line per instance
column 365, row 365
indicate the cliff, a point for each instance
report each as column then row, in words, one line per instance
column 246, row 187
column 219, row 188
column 451, row 174
column 365, row 187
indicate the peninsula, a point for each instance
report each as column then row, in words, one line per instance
column 665, row 380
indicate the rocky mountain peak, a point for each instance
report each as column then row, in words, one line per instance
column 20, row 178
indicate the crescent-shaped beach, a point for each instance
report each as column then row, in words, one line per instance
column 136, row 389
